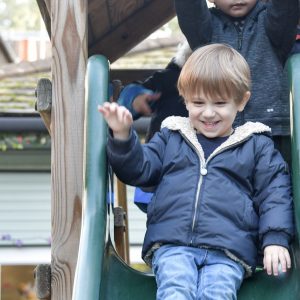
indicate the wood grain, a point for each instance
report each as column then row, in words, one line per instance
column 120, row 10
column 98, row 17
column 132, row 30
column 69, row 52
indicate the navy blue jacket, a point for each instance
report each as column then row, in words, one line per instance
column 267, row 38
column 238, row 200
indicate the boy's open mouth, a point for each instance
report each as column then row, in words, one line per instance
column 210, row 124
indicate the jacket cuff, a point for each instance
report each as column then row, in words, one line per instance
column 276, row 238
column 118, row 147
column 129, row 93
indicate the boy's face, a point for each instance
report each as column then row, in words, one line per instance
column 235, row 8
column 213, row 117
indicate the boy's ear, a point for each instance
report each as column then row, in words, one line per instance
column 244, row 101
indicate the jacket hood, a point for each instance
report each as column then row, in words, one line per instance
column 183, row 53
column 240, row 134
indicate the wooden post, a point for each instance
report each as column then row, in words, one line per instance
column 43, row 93
column 122, row 237
column 69, row 57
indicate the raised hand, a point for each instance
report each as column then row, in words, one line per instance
column 118, row 118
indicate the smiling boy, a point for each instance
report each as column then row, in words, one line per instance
column 222, row 193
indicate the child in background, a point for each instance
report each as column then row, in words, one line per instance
column 222, row 193
column 264, row 34
column 157, row 96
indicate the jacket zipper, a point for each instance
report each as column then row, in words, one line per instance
column 199, row 182
column 203, row 165
column 240, row 40
column 240, row 35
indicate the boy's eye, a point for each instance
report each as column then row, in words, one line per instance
column 198, row 103
column 220, row 103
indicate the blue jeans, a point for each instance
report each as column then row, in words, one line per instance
column 186, row 273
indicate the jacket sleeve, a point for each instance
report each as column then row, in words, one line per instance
column 281, row 25
column 273, row 196
column 129, row 93
column 194, row 20
column 136, row 164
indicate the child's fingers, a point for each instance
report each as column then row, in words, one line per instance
column 284, row 259
column 104, row 107
column 283, row 262
column 102, row 110
column 128, row 117
column 112, row 107
column 268, row 263
column 107, row 108
column 288, row 259
column 123, row 115
column 275, row 264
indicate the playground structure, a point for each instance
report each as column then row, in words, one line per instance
column 78, row 30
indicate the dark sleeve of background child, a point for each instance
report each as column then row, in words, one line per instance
column 281, row 25
column 195, row 21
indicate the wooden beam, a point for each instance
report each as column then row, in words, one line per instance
column 133, row 30
column 69, row 52
column 45, row 9
column 127, row 76
column 24, row 68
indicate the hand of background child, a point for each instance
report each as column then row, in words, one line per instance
column 141, row 103
column 118, row 118
column 275, row 255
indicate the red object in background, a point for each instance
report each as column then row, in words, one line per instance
column 23, row 50
column 6, row 285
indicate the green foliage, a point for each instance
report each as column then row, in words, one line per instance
column 13, row 141
column 174, row 27
column 23, row 15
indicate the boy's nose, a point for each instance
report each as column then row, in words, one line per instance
column 208, row 112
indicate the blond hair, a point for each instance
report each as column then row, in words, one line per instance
column 215, row 70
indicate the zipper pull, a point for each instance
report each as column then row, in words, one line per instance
column 203, row 171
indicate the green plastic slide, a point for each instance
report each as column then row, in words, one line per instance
column 100, row 273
